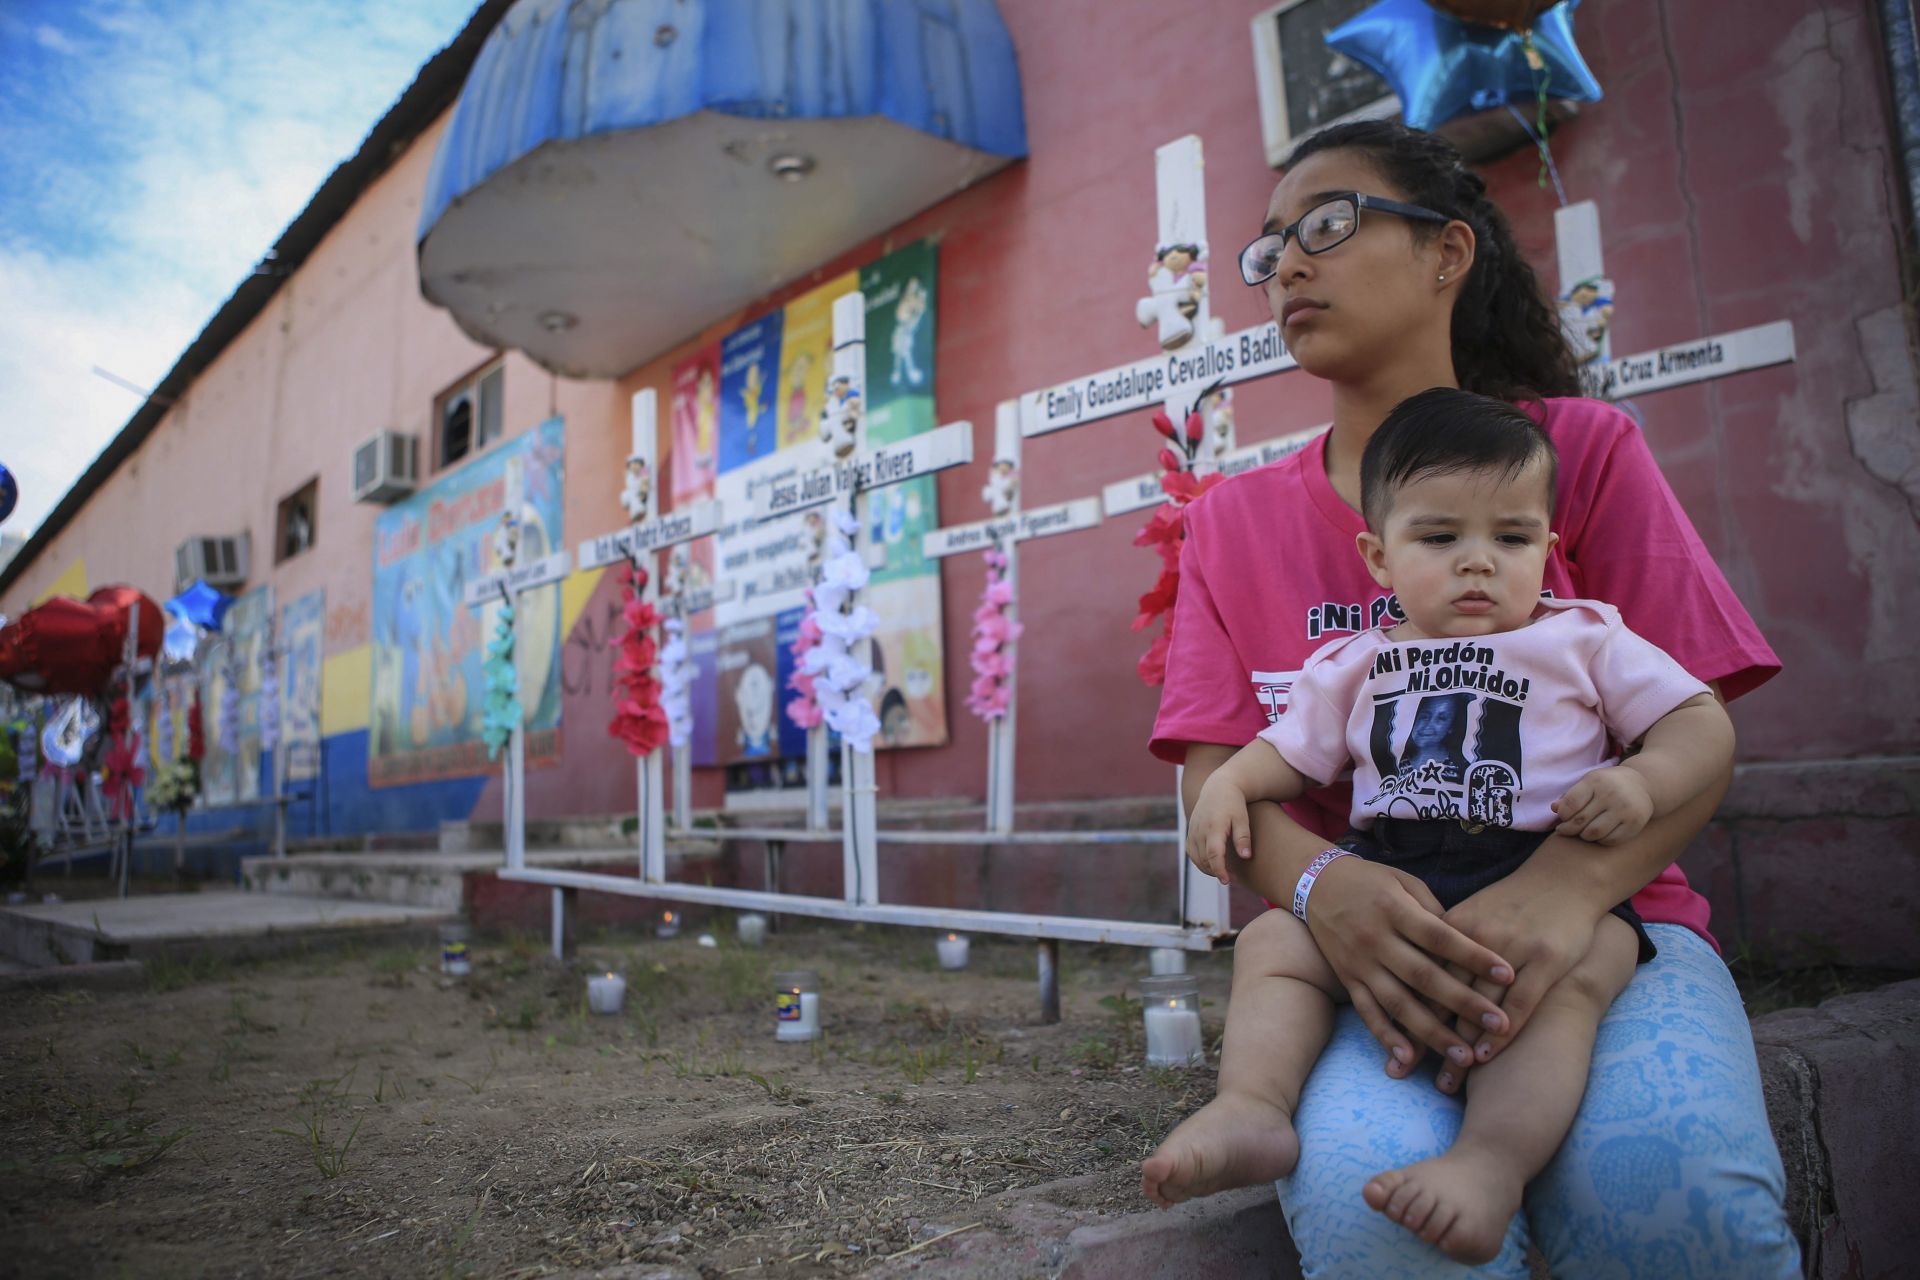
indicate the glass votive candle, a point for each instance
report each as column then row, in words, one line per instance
column 454, row 958
column 796, row 1005
column 1171, row 1005
column 952, row 950
column 1165, row 960
column 669, row 926
column 753, row 929
column 606, row 992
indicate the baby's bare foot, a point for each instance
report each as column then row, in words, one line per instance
column 1460, row 1202
column 1233, row 1141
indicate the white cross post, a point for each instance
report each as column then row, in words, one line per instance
column 1006, row 530
column 638, row 543
column 1576, row 235
column 682, row 602
column 507, row 586
column 842, row 480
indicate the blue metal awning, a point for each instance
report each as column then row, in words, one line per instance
column 620, row 173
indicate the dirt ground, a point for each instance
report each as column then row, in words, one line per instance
column 357, row 1113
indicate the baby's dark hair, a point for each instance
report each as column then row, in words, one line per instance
column 1444, row 430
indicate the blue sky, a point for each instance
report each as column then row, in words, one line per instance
column 150, row 153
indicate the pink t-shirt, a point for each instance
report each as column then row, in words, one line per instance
column 1269, row 573
column 1490, row 730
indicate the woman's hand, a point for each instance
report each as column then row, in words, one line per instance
column 1383, row 933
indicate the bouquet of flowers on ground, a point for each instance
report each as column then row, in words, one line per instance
column 175, row 787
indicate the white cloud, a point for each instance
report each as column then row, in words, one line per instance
column 165, row 150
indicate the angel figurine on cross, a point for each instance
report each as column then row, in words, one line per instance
column 840, row 417
column 1177, row 280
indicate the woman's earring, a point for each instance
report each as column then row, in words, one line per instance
column 1443, row 279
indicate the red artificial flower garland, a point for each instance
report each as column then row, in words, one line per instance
column 122, row 762
column 1165, row 531
column 638, row 720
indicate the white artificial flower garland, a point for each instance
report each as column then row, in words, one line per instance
column 840, row 676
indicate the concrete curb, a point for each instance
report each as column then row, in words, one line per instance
column 1843, row 1092
column 1842, row 1084
column 1240, row 1233
column 106, row 975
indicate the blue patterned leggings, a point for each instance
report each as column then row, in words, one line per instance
column 1670, row 1170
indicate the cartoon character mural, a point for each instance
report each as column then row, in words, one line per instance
column 907, row 314
column 740, row 723
column 794, row 414
column 427, row 644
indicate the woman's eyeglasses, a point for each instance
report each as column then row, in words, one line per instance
column 1320, row 229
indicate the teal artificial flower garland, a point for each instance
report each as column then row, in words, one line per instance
column 502, row 713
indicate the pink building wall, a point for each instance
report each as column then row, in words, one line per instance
column 1744, row 174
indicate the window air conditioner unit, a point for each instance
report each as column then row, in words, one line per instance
column 1305, row 86
column 386, row 467
column 223, row 562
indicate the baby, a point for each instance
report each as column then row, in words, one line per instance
column 1475, row 729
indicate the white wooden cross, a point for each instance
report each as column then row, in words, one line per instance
column 507, row 586
column 847, row 471
column 1576, row 234
column 1179, row 378
column 1006, row 530
column 638, row 544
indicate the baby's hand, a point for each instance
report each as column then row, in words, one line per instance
column 1219, row 821
column 1609, row 806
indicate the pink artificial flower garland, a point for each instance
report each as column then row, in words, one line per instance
column 804, row 710
column 993, row 636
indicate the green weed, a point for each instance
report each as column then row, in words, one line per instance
column 493, row 1064
column 328, row 1156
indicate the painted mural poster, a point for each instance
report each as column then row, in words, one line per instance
column 749, row 369
column 428, row 646
column 230, row 674
column 772, row 385
column 806, row 347
column 906, row 593
column 302, row 626
column 695, row 418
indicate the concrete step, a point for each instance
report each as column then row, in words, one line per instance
column 216, row 922
column 435, row 881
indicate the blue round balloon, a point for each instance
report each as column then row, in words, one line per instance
column 9, row 493
column 1441, row 67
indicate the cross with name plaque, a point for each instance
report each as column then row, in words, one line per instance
column 638, row 544
column 505, row 586
column 1196, row 365
column 845, row 471
column 1010, row 526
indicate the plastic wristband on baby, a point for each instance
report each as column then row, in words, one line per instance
column 1312, row 873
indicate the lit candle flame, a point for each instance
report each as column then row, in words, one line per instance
column 668, row 917
column 609, row 974
column 1173, row 1004
column 953, row 937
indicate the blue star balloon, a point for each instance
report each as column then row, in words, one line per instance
column 1441, row 67
column 9, row 493
column 204, row 606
